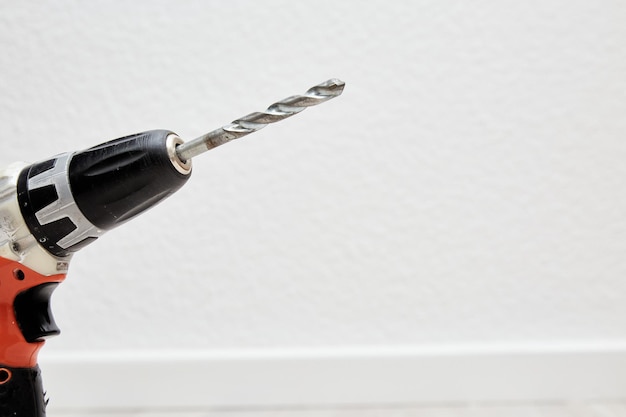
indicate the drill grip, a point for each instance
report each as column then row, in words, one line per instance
column 26, row 321
column 21, row 392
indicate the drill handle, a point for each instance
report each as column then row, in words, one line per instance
column 26, row 321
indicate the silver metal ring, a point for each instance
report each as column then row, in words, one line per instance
column 184, row 167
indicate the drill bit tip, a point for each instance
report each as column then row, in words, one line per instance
column 333, row 87
column 255, row 121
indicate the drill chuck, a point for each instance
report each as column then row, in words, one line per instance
column 70, row 200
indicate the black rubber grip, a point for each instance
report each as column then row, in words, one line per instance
column 115, row 181
column 21, row 392
column 33, row 313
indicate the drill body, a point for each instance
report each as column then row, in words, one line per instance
column 24, row 267
column 48, row 211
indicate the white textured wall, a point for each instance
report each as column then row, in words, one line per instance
column 469, row 186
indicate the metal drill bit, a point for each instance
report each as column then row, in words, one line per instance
column 258, row 120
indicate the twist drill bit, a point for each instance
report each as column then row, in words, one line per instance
column 258, row 120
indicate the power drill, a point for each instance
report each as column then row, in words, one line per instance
column 53, row 208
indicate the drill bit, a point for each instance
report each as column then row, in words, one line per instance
column 258, row 120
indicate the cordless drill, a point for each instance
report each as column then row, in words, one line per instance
column 53, row 208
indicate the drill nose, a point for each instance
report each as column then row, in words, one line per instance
column 70, row 200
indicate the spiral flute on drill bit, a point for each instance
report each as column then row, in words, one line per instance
column 255, row 121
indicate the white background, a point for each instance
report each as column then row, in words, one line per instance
column 468, row 187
